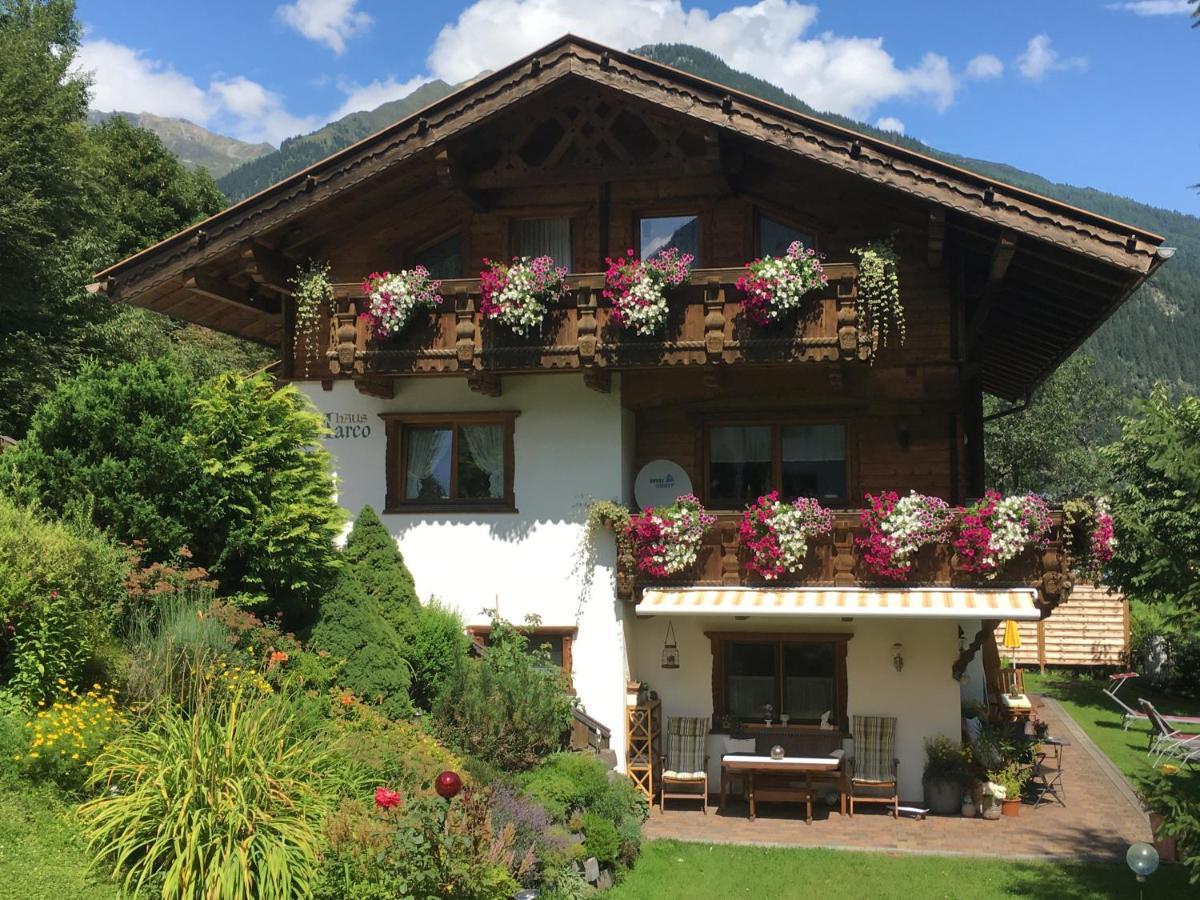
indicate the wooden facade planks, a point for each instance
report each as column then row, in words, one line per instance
column 1090, row 629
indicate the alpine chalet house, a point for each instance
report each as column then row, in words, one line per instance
column 484, row 415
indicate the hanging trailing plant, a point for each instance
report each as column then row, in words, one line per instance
column 312, row 293
column 667, row 539
column 997, row 528
column 520, row 293
column 880, row 311
column 774, row 286
column 393, row 298
column 1088, row 523
column 638, row 288
column 897, row 527
column 777, row 533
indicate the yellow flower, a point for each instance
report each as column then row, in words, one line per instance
column 74, row 756
column 33, row 754
column 1169, row 768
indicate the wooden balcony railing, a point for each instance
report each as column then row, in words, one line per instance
column 705, row 325
column 834, row 560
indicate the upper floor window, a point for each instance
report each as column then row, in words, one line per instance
column 774, row 237
column 448, row 460
column 443, row 259
column 544, row 237
column 659, row 232
column 747, row 461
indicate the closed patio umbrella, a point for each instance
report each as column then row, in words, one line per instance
column 1012, row 640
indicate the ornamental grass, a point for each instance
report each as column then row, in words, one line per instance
column 223, row 803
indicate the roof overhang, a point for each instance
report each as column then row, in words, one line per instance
column 906, row 603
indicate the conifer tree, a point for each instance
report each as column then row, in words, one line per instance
column 374, row 560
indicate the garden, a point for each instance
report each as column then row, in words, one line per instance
column 202, row 695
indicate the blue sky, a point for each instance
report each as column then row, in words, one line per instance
column 1092, row 92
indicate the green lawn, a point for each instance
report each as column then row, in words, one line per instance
column 41, row 857
column 1097, row 715
column 698, row 871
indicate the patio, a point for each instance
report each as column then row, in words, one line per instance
column 1101, row 819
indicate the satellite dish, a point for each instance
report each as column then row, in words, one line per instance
column 660, row 483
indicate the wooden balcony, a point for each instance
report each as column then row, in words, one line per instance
column 834, row 560
column 705, row 325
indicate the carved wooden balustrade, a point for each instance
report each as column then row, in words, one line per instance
column 705, row 325
column 834, row 560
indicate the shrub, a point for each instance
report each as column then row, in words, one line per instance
column 352, row 629
column 945, row 759
column 66, row 736
column 225, row 803
column 1176, row 796
column 372, row 557
column 566, row 783
column 114, row 437
column 600, row 838
column 60, row 588
column 273, row 512
column 510, row 708
column 434, row 647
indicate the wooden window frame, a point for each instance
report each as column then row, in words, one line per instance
column 566, row 632
column 668, row 213
column 720, row 640
column 396, row 428
column 776, row 424
column 759, row 211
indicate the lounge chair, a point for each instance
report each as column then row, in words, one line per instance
column 1130, row 714
column 1167, row 741
column 686, row 762
column 874, row 766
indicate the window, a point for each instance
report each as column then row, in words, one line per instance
column 462, row 460
column 802, row 676
column 544, row 237
column 443, row 259
column 680, row 232
column 775, row 237
column 747, row 461
column 556, row 641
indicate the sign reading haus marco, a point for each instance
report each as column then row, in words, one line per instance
column 589, row 262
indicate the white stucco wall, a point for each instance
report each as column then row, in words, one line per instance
column 570, row 444
column 924, row 697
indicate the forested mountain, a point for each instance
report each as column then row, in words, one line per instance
column 196, row 147
column 1156, row 335
column 301, row 152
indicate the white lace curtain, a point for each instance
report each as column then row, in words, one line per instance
column 486, row 445
column 813, row 443
column 545, row 237
column 428, row 453
column 741, row 445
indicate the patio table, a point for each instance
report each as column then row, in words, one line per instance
column 775, row 772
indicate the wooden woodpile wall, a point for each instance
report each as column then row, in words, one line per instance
column 1090, row 629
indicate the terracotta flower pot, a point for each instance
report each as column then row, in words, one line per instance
column 1011, row 807
column 1162, row 843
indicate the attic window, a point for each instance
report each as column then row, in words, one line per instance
column 660, row 232
column 544, row 237
column 443, row 259
column 774, row 237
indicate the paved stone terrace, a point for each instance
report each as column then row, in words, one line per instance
column 1102, row 817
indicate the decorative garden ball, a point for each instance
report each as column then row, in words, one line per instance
column 1143, row 859
column 448, row 785
column 777, row 752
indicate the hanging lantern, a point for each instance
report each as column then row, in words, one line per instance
column 670, row 653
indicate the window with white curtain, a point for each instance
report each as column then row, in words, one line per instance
column 544, row 237
column 443, row 460
column 746, row 461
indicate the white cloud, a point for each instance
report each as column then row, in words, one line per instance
column 369, row 96
column 1155, row 7
column 985, row 66
column 125, row 79
column 1040, row 58
column 329, row 22
column 890, row 123
column 770, row 39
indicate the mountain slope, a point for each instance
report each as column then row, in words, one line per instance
column 196, row 147
column 301, row 152
column 1155, row 335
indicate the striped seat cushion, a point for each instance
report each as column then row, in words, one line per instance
column 687, row 747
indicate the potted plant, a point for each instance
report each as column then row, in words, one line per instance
column 1011, row 778
column 991, row 796
column 945, row 775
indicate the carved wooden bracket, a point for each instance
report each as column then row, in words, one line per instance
column 987, row 626
column 847, row 320
column 464, row 331
column 586, row 326
column 599, row 380
column 376, row 386
column 486, row 383
column 714, row 322
column 343, row 353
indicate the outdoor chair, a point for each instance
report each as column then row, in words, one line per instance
column 874, row 767
column 685, row 765
column 1013, row 702
column 1167, row 741
column 1131, row 715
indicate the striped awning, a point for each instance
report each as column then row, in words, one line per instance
column 920, row 603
